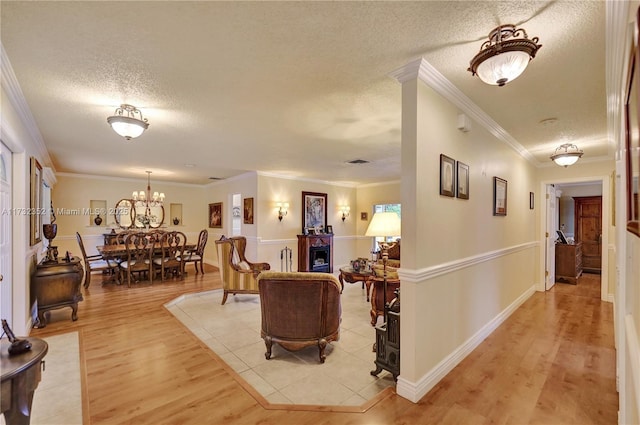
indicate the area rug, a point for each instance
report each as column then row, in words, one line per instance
column 232, row 331
column 58, row 398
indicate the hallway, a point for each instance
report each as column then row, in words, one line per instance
column 551, row 362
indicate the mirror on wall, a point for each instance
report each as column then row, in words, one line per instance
column 124, row 213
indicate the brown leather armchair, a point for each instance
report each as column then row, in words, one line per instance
column 299, row 310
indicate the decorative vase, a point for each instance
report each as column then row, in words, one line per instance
column 98, row 220
column 176, row 221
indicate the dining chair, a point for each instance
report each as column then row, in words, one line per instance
column 172, row 246
column 95, row 263
column 197, row 255
column 139, row 251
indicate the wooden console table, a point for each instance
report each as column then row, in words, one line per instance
column 21, row 374
column 57, row 285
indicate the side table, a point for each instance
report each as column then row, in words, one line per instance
column 56, row 285
column 349, row 275
column 21, row 374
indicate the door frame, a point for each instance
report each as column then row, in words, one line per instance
column 605, row 181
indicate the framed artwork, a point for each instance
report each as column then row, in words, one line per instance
column 35, row 202
column 632, row 136
column 447, row 176
column 532, row 201
column 314, row 210
column 215, row 215
column 499, row 196
column 329, row 229
column 462, row 177
column 364, row 216
column 248, row 210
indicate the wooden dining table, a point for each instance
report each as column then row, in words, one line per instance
column 120, row 250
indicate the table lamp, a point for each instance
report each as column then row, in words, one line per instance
column 384, row 224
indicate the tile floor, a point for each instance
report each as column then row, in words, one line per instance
column 233, row 332
column 58, row 398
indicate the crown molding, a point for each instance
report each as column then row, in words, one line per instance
column 17, row 99
column 368, row 185
column 425, row 72
column 125, row 179
column 305, row 179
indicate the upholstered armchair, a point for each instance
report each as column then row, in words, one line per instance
column 239, row 275
column 299, row 310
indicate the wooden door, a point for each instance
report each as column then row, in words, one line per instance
column 588, row 222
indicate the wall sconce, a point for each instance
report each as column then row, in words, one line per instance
column 283, row 209
column 345, row 211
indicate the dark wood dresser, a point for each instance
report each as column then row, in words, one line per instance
column 568, row 262
column 57, row 285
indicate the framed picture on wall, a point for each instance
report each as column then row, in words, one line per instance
column 248, row 210
column 462, row 177
column 499, row 196
column 532, row 200
column 35, row 202
column 314, row 210
column 632, row 128
column 447, row 176
column 215, row 215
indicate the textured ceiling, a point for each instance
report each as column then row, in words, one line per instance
column 291, row 88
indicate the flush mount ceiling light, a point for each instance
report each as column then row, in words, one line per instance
column 128, row 121
column 504, row 57
column 566, row 154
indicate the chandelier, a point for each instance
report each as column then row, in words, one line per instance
column 566, row 154
column 128, row 121
column 504, row 57
column 145, row 199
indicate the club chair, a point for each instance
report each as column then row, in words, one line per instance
column 299, row 310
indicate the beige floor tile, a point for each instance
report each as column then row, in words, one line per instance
column 317, row 388
column 233, row 332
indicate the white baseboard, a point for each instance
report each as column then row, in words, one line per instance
column 414, row 391
column 633, row 352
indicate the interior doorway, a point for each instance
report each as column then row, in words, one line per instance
column 6, row 224
column 566, row 191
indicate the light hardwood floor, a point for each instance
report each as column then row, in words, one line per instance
column 551, row 362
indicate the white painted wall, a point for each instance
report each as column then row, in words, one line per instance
column 463, row 268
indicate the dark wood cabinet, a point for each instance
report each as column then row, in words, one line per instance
column 568, row 262
column 315, row 253
column 56, row 285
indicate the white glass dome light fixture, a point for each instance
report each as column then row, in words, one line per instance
column 128, row 122
column 566, row 154
column 504, row 57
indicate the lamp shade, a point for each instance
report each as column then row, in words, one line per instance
column 128, row 122
column 499, row 70
column 566, row 154
column 504, row 56
column 384, row 224
column 129, row 128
